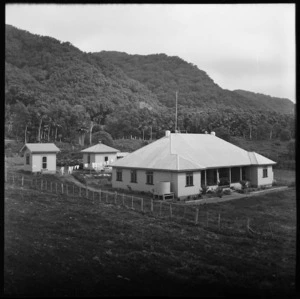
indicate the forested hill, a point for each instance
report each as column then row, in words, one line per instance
column 163, row 75
column 54, row 91
column 276, row 104
column 45, row 68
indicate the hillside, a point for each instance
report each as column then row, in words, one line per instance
column 163, row 75
column 46, row 67
column 54, row 91
column 268, row 102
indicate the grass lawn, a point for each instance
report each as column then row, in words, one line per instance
column 284, row 176
column 59, row 246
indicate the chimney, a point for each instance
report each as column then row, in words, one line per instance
column 213, row 133
column 168, row 133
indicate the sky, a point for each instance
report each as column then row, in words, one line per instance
column 240, row 46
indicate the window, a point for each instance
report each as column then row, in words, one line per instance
column 189, row 179
column 27, row 159
column 149, row 175
column 265, row 172
column 133, row 176
column 44, row 164
column 89, row 158
column 119, row 175
column 105, row 159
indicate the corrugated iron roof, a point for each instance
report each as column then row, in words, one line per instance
column 40, row 147
column 100, row 148
column 179, row 152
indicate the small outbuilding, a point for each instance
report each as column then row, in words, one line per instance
column 98, row 156
column 40, row 157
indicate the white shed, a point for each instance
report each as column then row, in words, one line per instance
column 40, row 157
column 100, row 155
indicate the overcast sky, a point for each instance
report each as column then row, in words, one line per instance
column 240, row 46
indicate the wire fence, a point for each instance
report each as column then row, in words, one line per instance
column 196, row 215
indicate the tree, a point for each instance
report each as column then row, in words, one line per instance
column 285, row 135
column 98, row 112
column 291, row 149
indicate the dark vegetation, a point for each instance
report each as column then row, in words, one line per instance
column 55, row 92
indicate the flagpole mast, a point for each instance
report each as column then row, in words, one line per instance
column 176, row 114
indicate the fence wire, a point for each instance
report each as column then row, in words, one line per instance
column 196, row 215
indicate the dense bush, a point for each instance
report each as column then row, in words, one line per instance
column 80, row 177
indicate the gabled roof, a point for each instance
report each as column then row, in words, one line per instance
column 40, row 148
column 100, row 148
column 180, row 152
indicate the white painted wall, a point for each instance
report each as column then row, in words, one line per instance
column 158, row 176
column 36, row 162
column 177, row 180
column 183, row 190
column 265, row 181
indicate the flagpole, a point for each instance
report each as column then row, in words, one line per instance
column 176, row 114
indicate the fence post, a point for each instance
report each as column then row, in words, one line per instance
column 142, row 204
column 271, row 229
column 132, row 202
column 219, row 221
column 62, row 188
column 206, row 219
column 151, row 205
column 170, row 210
column 247, row 225
column 196, row 215
column 123, row 199
column 22, row 181
column 116, row 194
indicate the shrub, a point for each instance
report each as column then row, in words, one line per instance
column 79, row 177
column 245, row 184
column 285, row 135
column 227, row 191
column 204, row 190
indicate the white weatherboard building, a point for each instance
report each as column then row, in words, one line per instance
column 182, row 163
column 40, row 157
column 101, row 154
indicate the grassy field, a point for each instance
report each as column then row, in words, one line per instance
column 60, row 246
column 285, row 177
